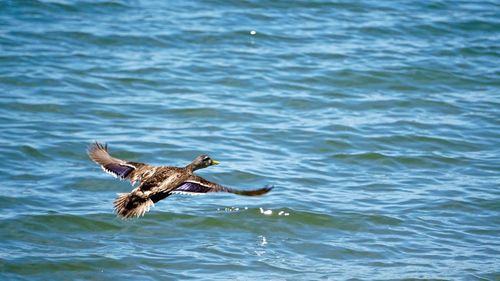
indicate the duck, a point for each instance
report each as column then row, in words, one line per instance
column 156, row 183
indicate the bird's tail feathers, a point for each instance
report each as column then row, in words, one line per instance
column 132, row 205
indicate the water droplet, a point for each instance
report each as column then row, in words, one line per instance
column 264, row 241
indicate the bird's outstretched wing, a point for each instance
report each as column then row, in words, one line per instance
column 118, row 168
column 198, row 185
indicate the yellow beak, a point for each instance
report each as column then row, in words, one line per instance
column 214, row 162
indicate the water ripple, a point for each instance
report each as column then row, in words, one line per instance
column 376, row 121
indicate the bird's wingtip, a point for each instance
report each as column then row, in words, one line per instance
column 256, row 192
column 96, row 145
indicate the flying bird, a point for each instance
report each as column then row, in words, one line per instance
column 157, row 182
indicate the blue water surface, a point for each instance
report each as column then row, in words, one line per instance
column 378, row 123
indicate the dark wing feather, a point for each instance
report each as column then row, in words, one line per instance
column 192, row 187
column 159, row 196
column 121, row 171
column 119, row 168
column 199, row 185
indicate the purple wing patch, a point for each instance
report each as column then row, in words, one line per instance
column 118, row 170
column 192, row 187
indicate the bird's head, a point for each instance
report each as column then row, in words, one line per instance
column 203, row 161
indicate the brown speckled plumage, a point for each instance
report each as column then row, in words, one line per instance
column 157, row 182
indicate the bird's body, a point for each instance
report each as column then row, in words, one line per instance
column 157, row 182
